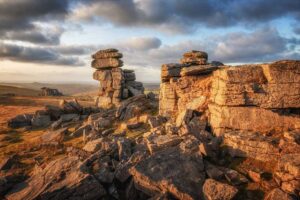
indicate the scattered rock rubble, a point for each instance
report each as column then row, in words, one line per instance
column 210, row 117
column 115, row 84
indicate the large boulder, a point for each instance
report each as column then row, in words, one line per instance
column 170, row 171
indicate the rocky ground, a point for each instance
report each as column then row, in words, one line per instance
column 215, row 132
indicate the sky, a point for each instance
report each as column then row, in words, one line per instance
column 52, row 40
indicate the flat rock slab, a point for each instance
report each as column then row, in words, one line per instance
column 195, row 54
column 107, row 63
column 170, row 171
column 159, row 142
column 102, row 55
column 197, row 70
column 215, row 190
column 253, row 145
column 63, row 178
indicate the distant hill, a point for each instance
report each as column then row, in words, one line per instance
column 65, row 88
column 18, row 91
column 74, row 89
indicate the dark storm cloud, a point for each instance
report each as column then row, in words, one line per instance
column 36, row 55
column 18, row 18
column 182, row 15
column 35, row 35
column 19, row 14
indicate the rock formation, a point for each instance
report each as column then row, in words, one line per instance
column 210, row 117
column 50, row 92
column 186, row 85
column 115, row 84
column 254, row 109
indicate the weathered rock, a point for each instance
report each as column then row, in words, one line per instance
column 197, row 70
column 193, row 61
column 250, row 119
column 106, row 63
column 253, row 145
column 132, row 107
column 255, row 176
column 160, row 142
column 195, row 54
column 50, row 92
column 169, row 171
column 41, row 120
column 184, row 117
column 84, row 129
column 93, row 145
column 64, row 178
column 277, row 194
column 69, row 117
column 156, row 121
column 54, row 136
column 133, row 125
column 214, row 190
column 170, row 70
column 122, row 170
column 188, row 92
column 20, row 121
column 70, row 107
column 288, row 172
column 102, row 171
column 234, row 177
column 258, row 85
column 101, row 144
column 213, row 171
column 124, row 147
column 102, row 55
column 129, row 76
column 210, row 149
column 54, row 111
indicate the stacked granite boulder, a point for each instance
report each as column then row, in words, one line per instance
column 115, row 84
column 184, row 84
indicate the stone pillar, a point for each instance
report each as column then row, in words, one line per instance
column 115, row 84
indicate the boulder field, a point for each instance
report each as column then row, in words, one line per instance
column 215, row 132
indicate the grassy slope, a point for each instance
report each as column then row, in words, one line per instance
column 19, row 91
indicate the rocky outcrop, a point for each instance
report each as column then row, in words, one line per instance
column 115, row 84
column 254, row 109
column 255, row 94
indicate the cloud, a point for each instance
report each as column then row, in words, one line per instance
column 296, row 29
column 36, row 35
column 141, row 43
column 36, row 55
column 185, row 16
column 18, row 20
column 261, row 45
